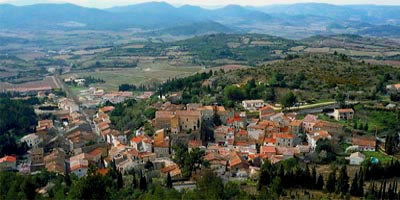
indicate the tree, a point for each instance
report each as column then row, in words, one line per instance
column 331, row 182
column 354, row 186
column 265, row 175
column 277, row 186
column 340, row 99
column 314, row 183
column 210, row 186
column 392, row 140
column 169, row 180
column 343, row 181
column 142, row 182
column 120, row 181
column 320, row 182
column 231, row 190
column 217, row 120
column 366, row 126
column 288, row 100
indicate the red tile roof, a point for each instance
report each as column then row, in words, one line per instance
column 269, row 108
column 345, row 110
column 107, row 109
column 284, row 135
column 267, row 149
column 103, row 171
column 364, row 141
column 8, row 159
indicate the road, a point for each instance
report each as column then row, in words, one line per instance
column 72, row 96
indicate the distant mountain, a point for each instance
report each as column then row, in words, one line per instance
column 196, row 28
column 293, row 21
column 364, row 13
column 42, row 16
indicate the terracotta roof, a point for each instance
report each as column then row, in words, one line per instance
column 267, row 108
column 188, row 113
column 107, row 109
column 364, row 141
column 96, row 152
column 284, row 135
column 164, row 114
column 8, row 159
column 136, row 139
column 168, row 168
column 267, row 149
column 270, row 140
column 295, row 123
column 241, row 144
column 242, row 132
column 234, row 119
column 236, row 159
column 345, row 110
column 103, row 171
column 79, row 164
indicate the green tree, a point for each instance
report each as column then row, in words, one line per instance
column 288, row 100
column 340, row 99
column 231, row 190
column 265, row 175
column 210, row 186
column 276, row 186
column 342, row 181
column 331, row 182
column 354, row 186
column 320, row 182
column 169, row 180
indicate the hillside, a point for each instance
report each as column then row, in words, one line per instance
column 317, row 77
column 295, row 21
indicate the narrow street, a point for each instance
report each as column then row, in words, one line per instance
column 72, row 96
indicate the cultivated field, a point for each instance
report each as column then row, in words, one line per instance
column 145, row 73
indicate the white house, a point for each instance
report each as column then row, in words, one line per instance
column 79, row 167
column 32, row 140
column 356, row 158
column 343, row 114
column 314, row 137
column 253, row 104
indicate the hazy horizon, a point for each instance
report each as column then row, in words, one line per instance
column 203, row 3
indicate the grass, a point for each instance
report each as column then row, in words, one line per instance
column 377, row 119
column 144, row 73
column 383, row 158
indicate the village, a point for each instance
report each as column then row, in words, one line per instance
column 232, row 143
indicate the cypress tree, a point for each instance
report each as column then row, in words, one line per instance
column 320, row 182
column 314, row 178
column 343, row 181
column 169, row 180
column 142, row 183
column 380, row 191
column 120, row 181
column 331, row 182
column 307, row 177
column 384, row 190
column 134, row 182
column 366, row 126
column 354, row 186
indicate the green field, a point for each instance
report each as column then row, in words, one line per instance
column 381, row 157
column 145, row 73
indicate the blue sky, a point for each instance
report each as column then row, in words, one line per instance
column 207, row 3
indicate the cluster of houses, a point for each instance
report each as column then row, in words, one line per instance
column 231, row 148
